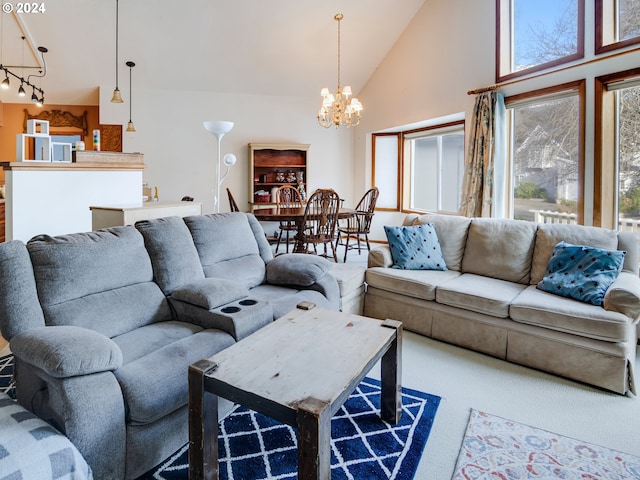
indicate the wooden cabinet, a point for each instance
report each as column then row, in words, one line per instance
column 273, row 165
column 2, row 235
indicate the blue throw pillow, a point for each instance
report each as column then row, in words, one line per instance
column 582, row 273
column 415, row 248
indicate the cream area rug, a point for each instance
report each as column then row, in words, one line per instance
column 499, row 449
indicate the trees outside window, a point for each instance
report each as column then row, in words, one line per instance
column 546, row 160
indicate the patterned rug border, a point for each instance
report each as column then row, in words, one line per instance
column 495, row 447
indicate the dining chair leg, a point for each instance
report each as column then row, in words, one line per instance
column 366, row 237
column 278, row 242
column 287, row 245
column 346, row 248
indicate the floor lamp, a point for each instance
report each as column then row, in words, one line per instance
column 218, row 128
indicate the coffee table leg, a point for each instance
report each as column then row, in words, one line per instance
column 314, row 440
column 391, row 375
column 203, row 425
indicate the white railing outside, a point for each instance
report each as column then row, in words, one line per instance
column 547, row 216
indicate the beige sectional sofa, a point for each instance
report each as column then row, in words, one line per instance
column 487, row 298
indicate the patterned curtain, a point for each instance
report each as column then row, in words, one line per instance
column 478, row 183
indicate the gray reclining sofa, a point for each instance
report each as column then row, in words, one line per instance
column 103, row 325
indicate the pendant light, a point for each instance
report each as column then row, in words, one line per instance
column 117, row 97
column 130, row 127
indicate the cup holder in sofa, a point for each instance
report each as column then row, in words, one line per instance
column 230, row 309
column 246, row 303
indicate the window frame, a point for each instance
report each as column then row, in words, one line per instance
column 605, row 165
column 398, row 135
column 605, row 23
column 579, row 87
column 504, row 42
column 446, row 128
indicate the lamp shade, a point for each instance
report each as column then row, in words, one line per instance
column 218, row 127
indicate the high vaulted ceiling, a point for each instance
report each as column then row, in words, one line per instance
column 262, row 47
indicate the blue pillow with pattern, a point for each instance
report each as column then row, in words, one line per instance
column 415, row 247
column 582, row 273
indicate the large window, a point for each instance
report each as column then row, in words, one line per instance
column 546, row 138
column 618, row 24
column 421, row 169
column 537, row 34
column 434, row 165
column 619, row 165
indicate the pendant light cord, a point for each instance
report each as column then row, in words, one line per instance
column 117, row 17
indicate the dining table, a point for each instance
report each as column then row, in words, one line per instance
column 296, row 216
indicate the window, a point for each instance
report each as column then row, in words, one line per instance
column 533, row 35
column 546, row 138
column 618, row 24
column 620, row 152
column 434, row 167
column 386, row 170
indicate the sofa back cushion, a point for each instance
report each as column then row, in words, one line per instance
column 549, row 235
column 19, row 306
column 228, row 248
column 630, row 243
column 500, row 248
column 173, row 255
column 98, row 280
column 452, row 233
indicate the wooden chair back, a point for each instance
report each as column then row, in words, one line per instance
column 320, row 217
column 288, row 196
column 232, row 202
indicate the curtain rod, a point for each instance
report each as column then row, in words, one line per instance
column 568, row 67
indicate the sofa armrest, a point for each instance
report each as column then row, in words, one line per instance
column 297, row 269
column 623, row 296
column 210, row 293
column 67, row 351
column 380, row 257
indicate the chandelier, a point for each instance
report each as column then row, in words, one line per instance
column 337, row 109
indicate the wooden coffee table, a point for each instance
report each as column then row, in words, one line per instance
column 298, row 370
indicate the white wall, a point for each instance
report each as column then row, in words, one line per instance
column 447, row 50
column 180, row 154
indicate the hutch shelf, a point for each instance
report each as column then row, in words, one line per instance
column 273, row 165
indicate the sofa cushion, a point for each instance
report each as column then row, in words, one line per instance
column 452, row 233
column 630, row 243
column 298, row 269
column 536, row 307
column 210, row 293
column 486, row 295
column 549, row 235
column 156, row 384
column 99, row 280
column 415, row 247
column 580, row 272
column 500, row 249
column 420, row 284
column 18, row 293
column 173, row 255
column 30, row 448
column 227, row 247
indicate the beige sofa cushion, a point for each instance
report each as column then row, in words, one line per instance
column 452, row 235
column 630, row 243
column 420, row 284
column 500, row 249
column 549, row 235
column 535, row 307
column 490, row 296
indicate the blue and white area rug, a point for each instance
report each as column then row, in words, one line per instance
column 363, row 447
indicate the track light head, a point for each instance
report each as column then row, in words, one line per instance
column 21, row 92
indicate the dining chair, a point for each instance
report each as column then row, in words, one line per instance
column 320, row 218
column 360, row 223
column 287, row 196
column 232, row 202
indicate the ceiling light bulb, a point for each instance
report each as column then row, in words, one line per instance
column 41, row 101
column 21, row 92
column 5, row 82
column 34, row 98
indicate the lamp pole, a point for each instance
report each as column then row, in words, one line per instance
column 218, row 128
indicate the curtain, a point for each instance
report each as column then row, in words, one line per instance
column 478, row 185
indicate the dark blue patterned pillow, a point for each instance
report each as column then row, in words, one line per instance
column 415, row 248
column 582, row 273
